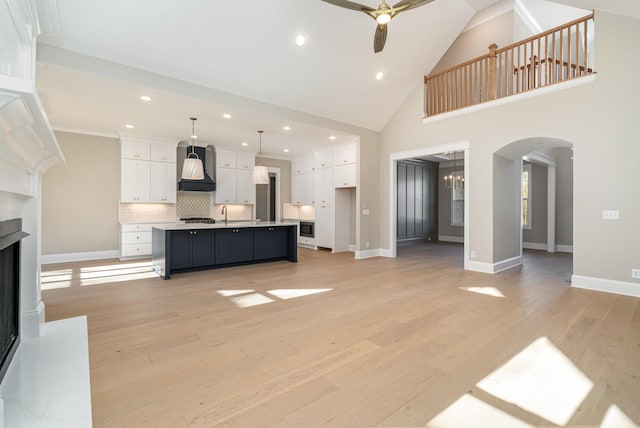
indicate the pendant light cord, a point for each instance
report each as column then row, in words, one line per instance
column 193, row 137
column 260, row 149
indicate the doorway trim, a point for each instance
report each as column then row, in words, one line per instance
column 393, row 182
column 543, row 160
column 276, row 171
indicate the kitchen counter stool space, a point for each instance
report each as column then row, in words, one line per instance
column 189, row 247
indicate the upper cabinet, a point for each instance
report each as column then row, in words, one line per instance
column 244, row 161
column 147, row 172
column 234, row 178
column 344, row 155
column 225, row 159
column 323, row 160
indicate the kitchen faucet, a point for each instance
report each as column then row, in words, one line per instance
column 224, row 211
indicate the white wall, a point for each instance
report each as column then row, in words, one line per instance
column 599, row 118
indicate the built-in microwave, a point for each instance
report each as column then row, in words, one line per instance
column 306, row 229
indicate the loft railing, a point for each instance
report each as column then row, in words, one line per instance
column 557, row 55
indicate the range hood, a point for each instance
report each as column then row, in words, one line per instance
column 207, row 184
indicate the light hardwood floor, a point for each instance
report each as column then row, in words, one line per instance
column 393, row 342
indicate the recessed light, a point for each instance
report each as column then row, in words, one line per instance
column 332, row 137
column 379, row 75
column 146, row 98
column 286, row 150
column 301, row 39
column 129, row 126
column 226, row 116
column 286, row 128
column 245, row 144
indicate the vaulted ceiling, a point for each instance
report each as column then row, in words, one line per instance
column 245, row 48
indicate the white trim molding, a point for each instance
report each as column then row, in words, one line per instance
column 446, row 238
column 606, row 285
column 492, row 268
column 77, row 257
column 367, row 254
column 564, row 248
column 534, row 246
column 32, row 321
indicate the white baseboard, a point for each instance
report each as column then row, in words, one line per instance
column 564, row 248
column 383, row 252
column 366, row 254
column 31, row 322
column 534, row 246
column 606, row 285
column 445, row 238
column 352, row 248
column 494, row 267
column 76, row 257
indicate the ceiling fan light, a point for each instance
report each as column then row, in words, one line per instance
column 383, row 18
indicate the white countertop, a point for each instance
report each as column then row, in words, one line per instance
column 222, row 225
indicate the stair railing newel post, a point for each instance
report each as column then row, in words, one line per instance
column 492, row 71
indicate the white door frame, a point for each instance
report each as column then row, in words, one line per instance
column 543, row 160
column 276, row 171
column 393, row 183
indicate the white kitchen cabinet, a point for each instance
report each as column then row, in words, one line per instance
column 138, row 150
column 245, row 189
column 324, row 186
column 310, row 188
column 225, row 186
column 344, row 176
column 225, row 159
column 303, row 165
column 298, row 189
column 163, row 153
column 344, row 155
column 135, row 240
column 324, row 226
column 163, row 182
column 135, row 181
column 323, row 160
column 245, row 162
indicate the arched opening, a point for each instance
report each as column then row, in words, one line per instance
column 533, row 199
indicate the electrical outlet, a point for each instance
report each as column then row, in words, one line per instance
column 365, row 211
column 635, row 273
column 473, row 254
column 610, row 215
column 366, row 244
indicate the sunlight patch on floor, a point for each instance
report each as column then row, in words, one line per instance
column 615, row 418
column 229, row 293
column 95, row 275
column 489, row 291
column 470, row 412
column 541, row 380
column 250, row 300
column 292, row 293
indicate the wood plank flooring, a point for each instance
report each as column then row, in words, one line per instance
column 393, row 342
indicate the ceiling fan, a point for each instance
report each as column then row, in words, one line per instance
column 382, row 15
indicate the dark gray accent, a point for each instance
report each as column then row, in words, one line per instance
column 208, row 158
column 417, row 200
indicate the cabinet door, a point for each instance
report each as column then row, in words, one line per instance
column 324, row 226
column 134, row 181
column 298, row 166
column 270, row 243
column 233, row 245
column 310, row 188
column 225, row 186
column 158, row 186
column 202, row 248
column 225, row 159
column 344, row 155
column 344, row 176
column 245, row 161
column 162, row 153
column 324, row 186
column 139, row 150
column 323, row 160
column 245, row 189
column 180, row 248
column 170, row 182
column 298, row 184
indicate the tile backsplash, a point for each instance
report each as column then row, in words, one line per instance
column 193, row 204
column 146, row 213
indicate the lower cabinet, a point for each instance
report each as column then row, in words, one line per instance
column 270, row 243
column 192, row 249
column 233, row 245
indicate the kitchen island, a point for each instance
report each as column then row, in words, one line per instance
column 196, row 246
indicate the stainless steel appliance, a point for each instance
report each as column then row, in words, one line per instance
column 307, row 229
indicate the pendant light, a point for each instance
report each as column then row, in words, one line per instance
column 192, row 168
column 260, row 172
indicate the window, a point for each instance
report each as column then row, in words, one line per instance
column 457, row 198
column 526, row 191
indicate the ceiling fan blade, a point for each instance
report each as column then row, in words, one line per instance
column 350, row 5
column 410, row 4
column 380, row 38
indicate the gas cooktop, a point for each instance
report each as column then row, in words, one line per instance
column 206, row 220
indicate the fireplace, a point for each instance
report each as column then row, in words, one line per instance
column 10, row 235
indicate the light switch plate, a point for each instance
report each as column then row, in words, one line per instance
column 635, row 273
column 365, row 211
column 610, row 215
